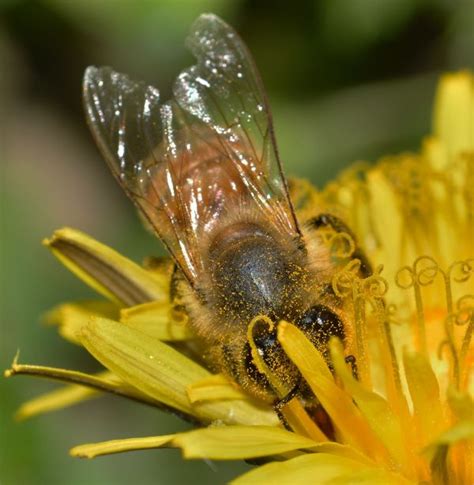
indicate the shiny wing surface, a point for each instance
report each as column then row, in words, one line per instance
column 190, row 162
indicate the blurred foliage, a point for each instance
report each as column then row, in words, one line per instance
column 347, row 80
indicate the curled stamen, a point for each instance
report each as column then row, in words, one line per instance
column 422, row 273
column 425, row 269
column 439, row 352
column 342, row 245
column 465, row 317
column 461, row 271
column 257, row 358
column 375, row 286
column 343, row 281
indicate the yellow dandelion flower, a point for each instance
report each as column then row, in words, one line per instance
column 399, row 410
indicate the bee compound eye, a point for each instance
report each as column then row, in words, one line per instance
column 320, row 323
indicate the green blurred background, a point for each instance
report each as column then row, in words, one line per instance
column 347, row 80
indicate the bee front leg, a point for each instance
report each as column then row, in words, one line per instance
column 350, row 359
column 279, row 404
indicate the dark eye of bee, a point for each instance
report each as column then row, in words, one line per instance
column 320, row 324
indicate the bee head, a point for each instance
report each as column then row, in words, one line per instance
column 319, row 323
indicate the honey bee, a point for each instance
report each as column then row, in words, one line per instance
column 204, row 171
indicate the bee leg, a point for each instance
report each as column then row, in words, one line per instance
column 280, row 403
column 350, row 359
column 325, row 220
column 338, row 225
column 174, row 282
column 282, row 419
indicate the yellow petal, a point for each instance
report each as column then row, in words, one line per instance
column 239, row 442
column 344, row 451
column 454, row 111
column 147, row 364
column 374, row 476
column 461, row 404
column 387, row 219
column 155, row 319
column 60, row 398
column 71, row 317
column 376, row 410
column 119, row 446
column 163, row 373
column 105, row 270
column 424, row 391
column 353, row 428
column 300, row 422
column 453, row 470
column 317, row 468
column 212, row 388
column 463, row 430
column 451, row 156
column 222, row 443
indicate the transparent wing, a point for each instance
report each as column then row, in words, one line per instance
column 193, row 161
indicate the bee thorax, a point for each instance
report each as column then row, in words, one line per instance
column 253, row 273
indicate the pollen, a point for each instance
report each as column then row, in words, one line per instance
column 399, row 404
